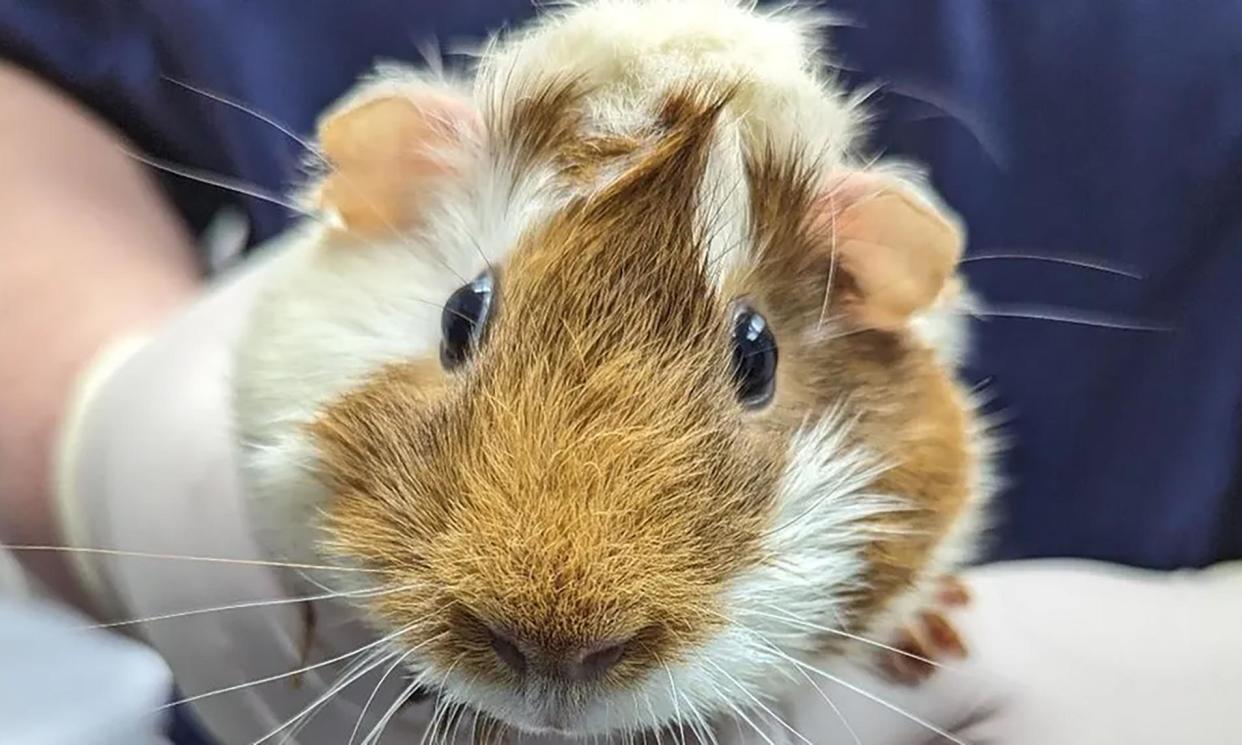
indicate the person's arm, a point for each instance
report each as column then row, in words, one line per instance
column 89, row 250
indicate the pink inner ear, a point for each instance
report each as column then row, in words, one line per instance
column 387, row 152
column 897, row 246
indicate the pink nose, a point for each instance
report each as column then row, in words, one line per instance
column 580, row 663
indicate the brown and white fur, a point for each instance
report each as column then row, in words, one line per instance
column 628, row 170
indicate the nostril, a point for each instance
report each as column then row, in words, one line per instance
column 507, row 650
column 594, row 660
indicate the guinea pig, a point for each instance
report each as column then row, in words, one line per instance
column 623, row 362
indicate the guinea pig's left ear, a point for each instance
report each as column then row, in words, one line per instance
column 386, row 148
column 898, row 245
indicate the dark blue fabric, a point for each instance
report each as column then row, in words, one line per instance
column 1105, row 129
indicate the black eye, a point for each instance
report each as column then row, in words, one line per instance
column 754, row 357
column 464, row 319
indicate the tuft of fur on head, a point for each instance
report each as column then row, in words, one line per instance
column 635, row 169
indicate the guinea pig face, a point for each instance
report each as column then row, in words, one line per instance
column 637, row 477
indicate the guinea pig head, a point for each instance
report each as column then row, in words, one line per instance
column 640, row 475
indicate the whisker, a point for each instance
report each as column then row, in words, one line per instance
column 239, row 187
column 306, row 576
column 978, row 387
column 650, row 710
column 438, row 711
column 177, row 557
column 1062, row 315
column 672, row 686
column 291, row 673
column 832, row 258
column 702, row 728
column 461, row 709
column 478, row 247
column 239, row 106
column 373, row 661
column 303, row 142
column 452, row 720
column 738, row 711
column 378, row 730
column 370, row 592
column 758, row 703
column 987, row 144
column 474, row 728
column 849, row 332
column 832, row 705
column 220, row 182
column 366, row 706
column 875, row 699
column 706, row 728
column 375, row 656
column 789, row 617
column 1068, row 261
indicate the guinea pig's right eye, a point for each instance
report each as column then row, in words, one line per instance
column 464, row 320
column 754, row 357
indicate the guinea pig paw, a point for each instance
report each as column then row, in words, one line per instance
column 927, row 638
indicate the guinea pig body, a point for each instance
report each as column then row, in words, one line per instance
column 618, row 361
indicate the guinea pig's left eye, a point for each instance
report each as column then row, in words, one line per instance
column 754, row 357
column 464, row 319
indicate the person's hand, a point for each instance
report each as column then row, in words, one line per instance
column 1061, row 653
column 90, row 250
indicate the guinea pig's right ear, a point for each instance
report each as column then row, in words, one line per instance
column 894, row 239
column 386, row 148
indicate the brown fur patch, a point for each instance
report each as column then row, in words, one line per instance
column 583, row 161
column 911, row 410
column 532, row 131
column 589, row 474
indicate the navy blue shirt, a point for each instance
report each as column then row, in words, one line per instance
column 1107, row 130
column 1094, row 129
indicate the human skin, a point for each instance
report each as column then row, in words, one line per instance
column 90, row 250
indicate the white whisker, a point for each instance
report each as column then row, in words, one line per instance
column 372, row 661
column 378, row 730
column 370, row 592
column 220, row 182
column 474, row 728
column 759, row 703
column 987, row 144
column 437, row 712
column 832, row 257
column 1068, row 261
column 306, row 145
column 672, row 686
column 1064, row 315
column 370, row 645
column 238, row 105
column 366, row 706
column 461, row 710
column 178, row 557
column 791, row 618
column 876, row 699
column 835, row 709
column 738, row 711
column 702, row 729
column 831, row 704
